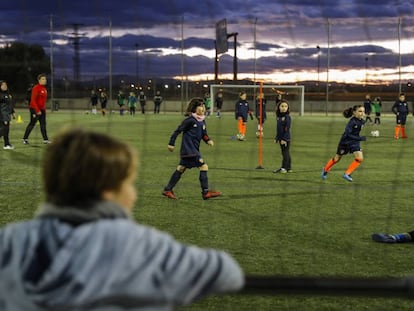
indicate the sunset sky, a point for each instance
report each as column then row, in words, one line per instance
column 277, row 40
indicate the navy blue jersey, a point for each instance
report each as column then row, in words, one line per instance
column 367, row 106
column 6, row 106
column 193, row 132
column 352, row 130
column 242, row 109
column 400, row 107
column 283, row 123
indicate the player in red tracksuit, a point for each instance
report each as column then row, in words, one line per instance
column 38, row 109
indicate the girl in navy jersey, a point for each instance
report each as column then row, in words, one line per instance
column 349, row 143
column 283, row 122
column 400, row 109
column 194, row 130
column 242, row 110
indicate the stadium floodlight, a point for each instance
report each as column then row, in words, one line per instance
column 221, row 37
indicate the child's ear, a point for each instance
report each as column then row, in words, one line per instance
column 108, row 195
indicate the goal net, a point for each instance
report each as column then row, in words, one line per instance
column 295, row 94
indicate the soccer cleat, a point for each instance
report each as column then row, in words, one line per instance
column 25, row 142
column 211, row 194
column 47, row 142
column 169, row 194
column 347, row 177
column 384, row 238
column 324, row 174
column 404, row 136
column 281, row 171
column 8, row 147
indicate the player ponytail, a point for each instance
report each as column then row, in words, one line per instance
column 349, row 112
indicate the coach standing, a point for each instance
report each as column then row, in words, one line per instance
column 38, row 109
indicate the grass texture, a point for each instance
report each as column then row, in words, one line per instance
column 293, row 224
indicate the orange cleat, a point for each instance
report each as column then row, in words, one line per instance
column 169, row 194
column 211, row 194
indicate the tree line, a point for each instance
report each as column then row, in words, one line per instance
column 20, row 64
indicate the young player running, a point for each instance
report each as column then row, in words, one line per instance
column 242, row 110
column 194, row 130
column 349, row 143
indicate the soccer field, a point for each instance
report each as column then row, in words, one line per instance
column 293, row 224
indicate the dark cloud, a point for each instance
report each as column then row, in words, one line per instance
column 287, row 33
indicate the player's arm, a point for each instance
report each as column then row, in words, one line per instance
column 394, row 109
column 34, row 100
column 207, row 139
column 184, row 126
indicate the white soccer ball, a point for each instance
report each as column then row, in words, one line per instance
column 375, row 133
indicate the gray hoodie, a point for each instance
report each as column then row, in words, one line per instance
column 98, row 259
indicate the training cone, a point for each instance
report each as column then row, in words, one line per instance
column 19, row 119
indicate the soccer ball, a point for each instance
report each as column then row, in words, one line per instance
column 375, row 133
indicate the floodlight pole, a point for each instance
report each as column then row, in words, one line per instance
column 319, row 67
column 216, row 60
column 234, row 34
column 137, row 64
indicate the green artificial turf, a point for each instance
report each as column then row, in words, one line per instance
column 293, row 224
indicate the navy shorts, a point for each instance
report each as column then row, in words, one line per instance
column 401, row 118
column 190, row 162
column 348, row 148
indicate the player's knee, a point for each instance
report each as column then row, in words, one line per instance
column 204, row 167
column 180, row 168
column 359, row 159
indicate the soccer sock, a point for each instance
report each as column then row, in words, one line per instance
column 240, row 125
column 329, row 165
column 243, row 129
column 353, row 166
column 203, row 181
column 403, row 131
column 397, row 131
column 175, row 177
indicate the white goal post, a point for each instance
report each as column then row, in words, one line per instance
column 295, row 94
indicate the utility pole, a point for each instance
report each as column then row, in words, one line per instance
column 76, row 36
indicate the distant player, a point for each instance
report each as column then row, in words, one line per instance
column 349, row 143
column 207, row 103
column 142, row 101
column 367, row 106
column 219, row 103
column 242, row 111
column 157, row 102
column 194, row 130
column 400, row 109
column 283, row 123
column 376, row 105
column 6, row 113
